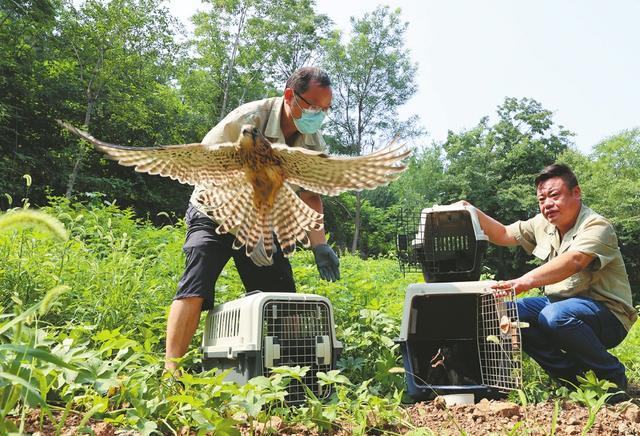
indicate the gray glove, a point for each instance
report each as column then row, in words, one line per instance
column 259, row 255
column 327, row 261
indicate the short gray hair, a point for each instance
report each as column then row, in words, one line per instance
column 301, row 78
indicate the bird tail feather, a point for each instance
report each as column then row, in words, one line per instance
column 234, row 210
column 292, row 219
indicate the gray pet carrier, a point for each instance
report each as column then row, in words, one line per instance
column 446, row 243
column 263, row 330
column 459, row 338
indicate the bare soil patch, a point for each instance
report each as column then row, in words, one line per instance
column 70, row 427
column 483, row 418
column 501, row 417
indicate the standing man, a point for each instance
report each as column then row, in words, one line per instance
column 293, row 119
column 587, row 307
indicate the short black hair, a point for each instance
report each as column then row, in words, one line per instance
column 301, row 78
column 557, row 170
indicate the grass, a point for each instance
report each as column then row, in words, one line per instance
column 84, row 312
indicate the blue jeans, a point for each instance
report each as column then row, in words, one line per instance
column 569, row 336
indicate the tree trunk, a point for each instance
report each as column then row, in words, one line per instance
column 74, row 173
column 81, row 152
column 356, row 233
column 232, row 61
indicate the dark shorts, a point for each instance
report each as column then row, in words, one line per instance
column 208, row 252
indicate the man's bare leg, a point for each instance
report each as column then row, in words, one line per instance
column 182, row 323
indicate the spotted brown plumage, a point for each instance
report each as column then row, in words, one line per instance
column 249, row 185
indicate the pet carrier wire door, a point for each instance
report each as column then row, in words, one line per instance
column 499, row 342
column 459, row 338
column 251, row 335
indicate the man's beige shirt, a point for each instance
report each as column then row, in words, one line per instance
column 604, row 280
column 265, row 115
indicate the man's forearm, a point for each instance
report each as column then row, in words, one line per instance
column 494, row 229
column 554, row 271
column 313, row 200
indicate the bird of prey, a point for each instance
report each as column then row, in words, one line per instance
column 247, row 186
column 447, row 367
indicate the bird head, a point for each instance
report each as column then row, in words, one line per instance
column 437, row 359
column 251, row 137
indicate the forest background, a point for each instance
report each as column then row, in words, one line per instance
column 128, row 73
column 83, row 307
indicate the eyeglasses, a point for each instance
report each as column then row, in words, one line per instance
column 312, row 108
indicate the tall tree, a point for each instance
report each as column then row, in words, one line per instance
column 288, row 35
column 214, row 76
column 421, row 185
column 113, row 50
column 610, row 181
column 494, row 166
column 245, row 49
column 25, row 32
column 372, row 76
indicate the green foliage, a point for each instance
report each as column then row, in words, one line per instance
column 243, row 51
column 63, row 346
column 25, row 385
column 628, row 352
column 372, row 335
column 421, row 185
column 372, row 75
column 83, row 296
column 93, row 342
column 104, row 64
column 592, row 393
column 32, row 218
column 493, row 167
column 616, row 198
column 378, row 221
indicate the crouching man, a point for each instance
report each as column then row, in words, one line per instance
column 586, row 308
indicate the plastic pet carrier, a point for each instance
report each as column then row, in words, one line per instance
column 445, row 242
column 459, row 338
column 263, row 330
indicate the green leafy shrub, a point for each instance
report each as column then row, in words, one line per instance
column 83, row 322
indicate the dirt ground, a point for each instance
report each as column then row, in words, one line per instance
column 70, row 427
column 500, row 417
column 483, row 418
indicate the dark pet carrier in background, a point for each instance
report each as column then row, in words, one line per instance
column 253, row 334
column 446, row 243
column 456, row 335
column 459, row 338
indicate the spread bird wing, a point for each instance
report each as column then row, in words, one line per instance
column 189, row 163
column 331, row 175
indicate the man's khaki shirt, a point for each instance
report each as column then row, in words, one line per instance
column 265, row 115
column 604, row 280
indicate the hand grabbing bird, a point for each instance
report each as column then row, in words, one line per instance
column 247, row 187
